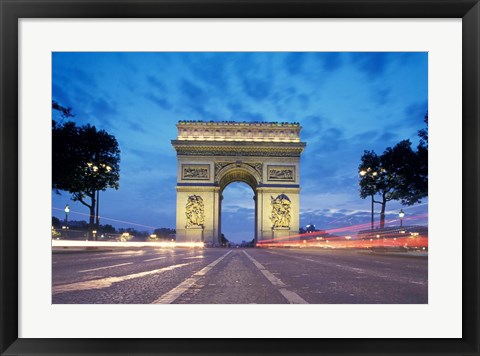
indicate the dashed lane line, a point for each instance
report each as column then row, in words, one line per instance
column 370, row 273
column 176, row 292
column 154, row 259
column 107, row 282
column 290, row 296
column 99, row 268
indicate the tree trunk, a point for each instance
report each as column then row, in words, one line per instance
column 382, row 213
column 97, row 219
column 91, row 223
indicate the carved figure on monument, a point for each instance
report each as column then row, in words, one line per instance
column 280, row 216
column 278, row 173
column 195, row 211
column 195, row 173
column 258, row 167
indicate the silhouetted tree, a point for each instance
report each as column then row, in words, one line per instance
column 64, row 112
column 223, row 240
column 84, row 160
column 164, row 233
column 56, row 222
column 107, row 229
column 398, row 174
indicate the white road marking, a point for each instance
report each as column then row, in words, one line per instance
column 371, row 273
column 99, row 268
column 291, row 297
column 154, row 259
column 176, row 292
column 107, row 282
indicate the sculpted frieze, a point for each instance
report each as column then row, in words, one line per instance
column 195, row 211
column 280, row 215
column 195, row 172
column 281, row 173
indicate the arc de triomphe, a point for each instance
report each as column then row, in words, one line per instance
column 211, row 155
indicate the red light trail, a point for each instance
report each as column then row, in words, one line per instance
column 359, row 236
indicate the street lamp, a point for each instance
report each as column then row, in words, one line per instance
column 401, row 214
column 67, row 210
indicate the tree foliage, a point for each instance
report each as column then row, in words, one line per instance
column 400, row 173
column 64, row 112
column 84, row 160
column 223, row 240
column 164, row 233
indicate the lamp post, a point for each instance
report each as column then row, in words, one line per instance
column 401, row 214
column 67, row 210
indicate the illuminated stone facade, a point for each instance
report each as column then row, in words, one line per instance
column 211, row 155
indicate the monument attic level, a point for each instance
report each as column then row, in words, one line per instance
column 211, row 155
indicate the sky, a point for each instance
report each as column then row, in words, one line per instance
column 345, row 102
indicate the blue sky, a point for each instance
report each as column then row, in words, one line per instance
column 345, row 102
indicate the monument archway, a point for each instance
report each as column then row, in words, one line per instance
column 211, row 155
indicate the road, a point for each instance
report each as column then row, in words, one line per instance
column 237, row 276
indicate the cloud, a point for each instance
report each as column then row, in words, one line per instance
column 388, row 137
column 163, row 103
column 415, row 112
column 156, row 83
column 258, row 89
column 312, row 127
column 382, row 96
column 192, row 92
column 60, row 95
column 330, row 61
column 211, row 69
column 294, row 62
column 331, row 140
column 135, row 126
column 254, row 73
column 239, row 112
column 373, row 64
column 101, row 108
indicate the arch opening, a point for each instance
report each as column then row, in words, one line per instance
column 238, row 214
column 238, row 174
column 229, row 176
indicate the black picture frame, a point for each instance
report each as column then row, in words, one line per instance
column 13, row 10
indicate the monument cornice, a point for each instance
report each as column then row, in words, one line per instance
column 226, row 148
column 237, row 123
column 176, row 143
column 238, row 131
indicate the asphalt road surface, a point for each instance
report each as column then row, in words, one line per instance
column 237, row 276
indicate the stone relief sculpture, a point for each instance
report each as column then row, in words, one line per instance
column 258, row 167
column 280, row 216
column 219, row 166
column 281, row 174
column 195, row 211
column 192, row 172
